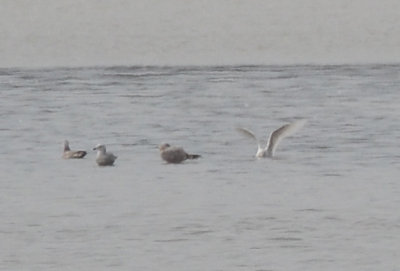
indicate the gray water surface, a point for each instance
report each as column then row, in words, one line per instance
column 328, row 201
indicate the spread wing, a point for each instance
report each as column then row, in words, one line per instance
column 248, row 133
column 282, row 132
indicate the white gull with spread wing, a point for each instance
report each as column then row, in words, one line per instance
column 274, row 138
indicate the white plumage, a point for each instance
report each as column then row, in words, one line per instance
column 274, row 138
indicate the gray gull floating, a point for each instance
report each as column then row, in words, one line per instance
column 104, row 158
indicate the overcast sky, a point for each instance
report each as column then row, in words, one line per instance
column 203, row 32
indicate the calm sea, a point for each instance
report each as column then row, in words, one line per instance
column 329, row 200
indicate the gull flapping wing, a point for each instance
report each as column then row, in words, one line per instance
column 274, row 138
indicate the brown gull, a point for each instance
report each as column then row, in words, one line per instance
column 175, row 155
column 68, row 154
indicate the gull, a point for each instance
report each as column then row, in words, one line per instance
column 274, row 138
column 104, row 158
column 175, row 155
column 68, row 154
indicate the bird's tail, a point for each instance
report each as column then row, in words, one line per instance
column 193, row 156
